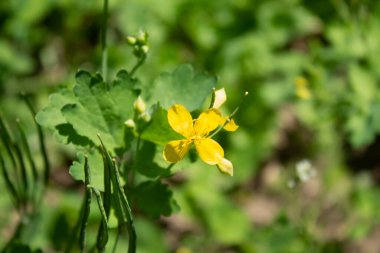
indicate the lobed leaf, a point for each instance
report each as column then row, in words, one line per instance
column 91, row 108
column 155, row 199
column 95, row 163
column 182, row 86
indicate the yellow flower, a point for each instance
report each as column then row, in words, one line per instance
column 196, row 131
column 302, row 89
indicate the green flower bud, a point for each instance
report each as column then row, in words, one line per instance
column 146, row 117
column 139, row 105
column 131, row 40
column 130, row 124
column 145, row 49
column 142, row 37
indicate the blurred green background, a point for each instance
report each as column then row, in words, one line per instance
column 311, row 71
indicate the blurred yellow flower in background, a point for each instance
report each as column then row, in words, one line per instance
column 302, row 88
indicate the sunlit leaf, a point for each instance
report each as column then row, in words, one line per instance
column 182, row 86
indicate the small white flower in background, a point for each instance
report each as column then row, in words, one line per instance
column 305, row 171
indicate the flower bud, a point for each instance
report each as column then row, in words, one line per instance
column 146, row 117
column 139, row 105
column 145, row 49
column 142, row 37
column 131, row 40
column 225, row 166
column 130, row 124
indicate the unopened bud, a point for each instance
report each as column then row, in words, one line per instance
column 142, row 37
column 139, row 105
column 146, row 117
column 145, row 49
column 131, row 40
column 225, row 166
column 130, row 124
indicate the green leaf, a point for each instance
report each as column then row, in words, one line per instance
column 360, row 133
column 52, row 118
column 155, row 199
column 182, row 86
column 144, row 163
column 99, row 110
column 159, row 130
column 95, row 161
column 363, row 86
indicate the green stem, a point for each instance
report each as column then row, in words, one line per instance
column 130, row 223
column 86, row 205
column 229, row 117
column 103, row 231
column 212, row 98
column 138, row 65
column 116, row 239
column 104, row 41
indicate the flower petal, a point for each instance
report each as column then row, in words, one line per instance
column 206, row 122
column 175, row 150
column 225, row 166
column 180, row 120
column 231, row 126
column 209, row 150
column 220, row 98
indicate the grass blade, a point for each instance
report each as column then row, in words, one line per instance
column 7, row 141
column 9, row 184
column 27, row 151
column 41, row 139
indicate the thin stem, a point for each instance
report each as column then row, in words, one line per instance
column 102, row 240
column 86, row 205
column 230, row 117
column 212, row 98
column 130, row 223
column 104, row 41
column 138, row 65
column 116, row 239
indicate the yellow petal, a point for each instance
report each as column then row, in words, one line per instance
column 180, row 120
column 209, row 150
column 220, row 98
column 225, row 166
column 303, row 93
column 231, row 126
column 206, row 122
column 175, row 150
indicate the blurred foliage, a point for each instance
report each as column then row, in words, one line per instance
column 261, row 46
